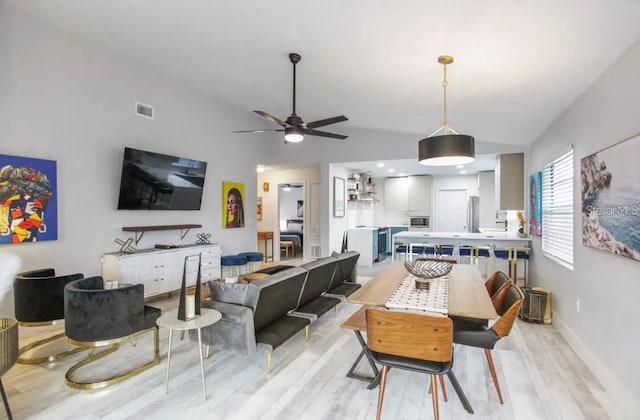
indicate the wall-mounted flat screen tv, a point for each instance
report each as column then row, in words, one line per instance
column 153, row 181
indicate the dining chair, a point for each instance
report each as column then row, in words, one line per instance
column 485, row 337
column 496, row 287
column 410, row 341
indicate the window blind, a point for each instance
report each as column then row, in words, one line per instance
column 557, row 209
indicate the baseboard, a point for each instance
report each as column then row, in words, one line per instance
column 627, row 403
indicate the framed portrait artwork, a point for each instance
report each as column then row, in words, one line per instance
column 28, row 200
column 338, row 197
column 611, row 199
column 259, row 208
column 232, row 205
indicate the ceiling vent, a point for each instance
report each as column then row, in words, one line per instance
column 144, row 110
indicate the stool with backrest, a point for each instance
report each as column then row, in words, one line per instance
column 8, row 353
column 520, row 254
column 422, row 250
column 97, row 318
column 39, row 301
column 410, row 341
column 478, row 335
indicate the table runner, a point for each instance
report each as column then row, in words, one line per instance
column 406, row 296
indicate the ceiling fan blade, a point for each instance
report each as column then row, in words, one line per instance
column 255, row 131
column 271, row 118
column 328, row 121
column 324, row 134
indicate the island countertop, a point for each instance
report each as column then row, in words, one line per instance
column 458, row 239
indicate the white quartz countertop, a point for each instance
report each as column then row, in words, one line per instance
column 496, row 236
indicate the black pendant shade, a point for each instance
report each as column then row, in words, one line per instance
column 447, row 149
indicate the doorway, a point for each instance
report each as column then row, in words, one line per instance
column 291, row 216
column 452, row 211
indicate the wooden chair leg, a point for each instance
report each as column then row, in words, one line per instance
column 383, row 383
column 434, row 398
column 492, row 368
column 444, row 390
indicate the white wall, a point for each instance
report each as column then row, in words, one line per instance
column 487, row 193
column 72, row 102
column 604, row 333
column 335, row 226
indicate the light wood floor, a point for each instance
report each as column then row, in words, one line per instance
column 540, row 375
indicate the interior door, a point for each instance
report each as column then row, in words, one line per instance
column 452, row 211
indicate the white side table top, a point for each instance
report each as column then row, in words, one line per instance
column 207, row 317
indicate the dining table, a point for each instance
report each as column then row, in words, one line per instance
column 467, row 298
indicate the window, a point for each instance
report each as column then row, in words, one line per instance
column 557, row 209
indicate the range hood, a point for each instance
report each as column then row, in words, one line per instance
column 362, row 188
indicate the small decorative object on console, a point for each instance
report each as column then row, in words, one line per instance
column 125, row 246
column 203, row 238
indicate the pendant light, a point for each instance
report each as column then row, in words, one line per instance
column 445, row 146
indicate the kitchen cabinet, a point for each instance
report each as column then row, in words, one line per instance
column 396, row 194
column 420, row 191
column 486, row 191
column 365, row 241
column 509, row 182
column 160, row 270
column 392, row 231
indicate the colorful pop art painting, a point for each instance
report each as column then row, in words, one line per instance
column 28, row 200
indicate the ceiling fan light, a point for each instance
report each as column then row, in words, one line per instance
column 293, row 135
column 445, row 150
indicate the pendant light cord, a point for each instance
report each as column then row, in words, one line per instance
column 445, row 125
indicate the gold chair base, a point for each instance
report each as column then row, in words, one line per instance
column 45, row 359
column 113, row 346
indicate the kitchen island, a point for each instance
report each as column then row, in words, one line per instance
column 457, row 239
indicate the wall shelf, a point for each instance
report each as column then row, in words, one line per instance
column 140, row 230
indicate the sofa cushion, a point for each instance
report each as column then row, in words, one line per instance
column 345, row 289
column 281, row 330
column 318, row 280
column 319, row 305
column 272, row 297
column 346, row 268
column 228, row 292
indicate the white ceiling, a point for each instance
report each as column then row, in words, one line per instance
column 518, row 64
column 405, row 167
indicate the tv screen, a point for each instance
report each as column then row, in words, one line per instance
column 153, row 181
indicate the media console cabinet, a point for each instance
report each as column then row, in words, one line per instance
column 160, row 270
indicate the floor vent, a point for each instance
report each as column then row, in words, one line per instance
column 144, row 110
column 316, row 251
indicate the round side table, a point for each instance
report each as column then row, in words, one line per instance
column 171, row 322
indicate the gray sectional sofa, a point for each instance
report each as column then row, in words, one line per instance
column 263, row 314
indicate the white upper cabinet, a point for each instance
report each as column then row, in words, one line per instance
column 396, row 194
column 510, row 181
column 420, row 192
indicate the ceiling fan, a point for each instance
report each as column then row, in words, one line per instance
column 294, row 127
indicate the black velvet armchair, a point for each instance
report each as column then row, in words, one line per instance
column 39, row 301
column 98, row 317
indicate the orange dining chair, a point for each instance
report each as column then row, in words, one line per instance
column 410, row 341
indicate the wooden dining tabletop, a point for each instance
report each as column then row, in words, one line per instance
column 467, row 293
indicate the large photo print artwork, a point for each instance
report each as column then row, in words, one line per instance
column 611, row 199
column 232, row 205
column 28, row 200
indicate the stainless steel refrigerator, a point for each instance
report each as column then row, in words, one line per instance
column 473, row 214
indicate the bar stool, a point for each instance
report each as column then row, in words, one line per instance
column 520, row 254
column 400, row 249
column 503, row 254
column 233, row 265
column 422, row 250
column 445, row 250
column 254, row 261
